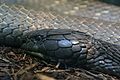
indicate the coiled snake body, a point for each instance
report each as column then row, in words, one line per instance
column 72, row 47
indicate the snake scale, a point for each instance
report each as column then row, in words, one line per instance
column 84, row 42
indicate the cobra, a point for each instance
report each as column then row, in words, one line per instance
column 68, row 46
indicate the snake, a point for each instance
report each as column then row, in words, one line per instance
column 85, row 42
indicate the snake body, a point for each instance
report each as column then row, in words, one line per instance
column 79, row 42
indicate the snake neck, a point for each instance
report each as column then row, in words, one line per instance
column 107, row 50
column 105, row 58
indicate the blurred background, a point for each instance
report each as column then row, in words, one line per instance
column 64, row 6
column 97, row 9
column 36, row 4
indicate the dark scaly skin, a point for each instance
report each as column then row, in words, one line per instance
column 68, row 46
column 74, row 48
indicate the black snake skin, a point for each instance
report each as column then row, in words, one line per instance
column 62, row 40
column 74, row 48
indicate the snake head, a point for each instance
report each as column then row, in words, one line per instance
column 59, row 44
